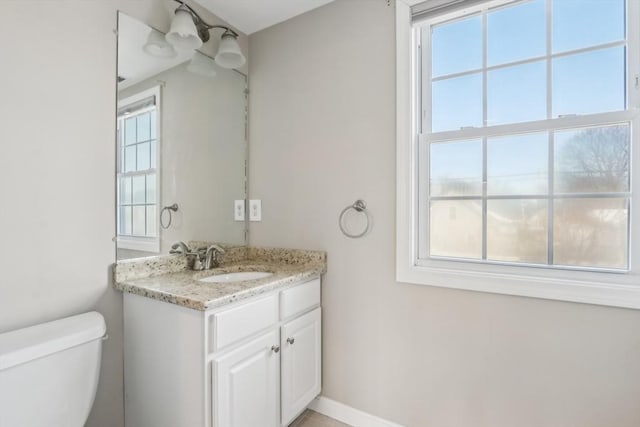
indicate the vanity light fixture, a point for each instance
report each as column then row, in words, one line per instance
column 188, row 32
column 158, row 46
column 202, row 65
column 183, row 34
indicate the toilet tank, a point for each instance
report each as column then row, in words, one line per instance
column 49, row 372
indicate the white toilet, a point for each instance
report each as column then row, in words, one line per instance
column 49, row 372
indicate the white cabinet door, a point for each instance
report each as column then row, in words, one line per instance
column 246, row 384
column 301, row 363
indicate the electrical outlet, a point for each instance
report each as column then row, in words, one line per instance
column 255, row 210
column 238, row 210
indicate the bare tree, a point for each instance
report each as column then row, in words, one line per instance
column 592, row 231
column 594, row 160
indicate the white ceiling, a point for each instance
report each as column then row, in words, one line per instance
column 250, row 16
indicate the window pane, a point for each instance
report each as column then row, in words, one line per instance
column 120, row 145
column 457, row 103
column 125, row 190
column 143, row 156
column 456, row 168
column 456, row 228
column 591, row 82
column 456, row 46
column 138, row 189
column 592, row 160
column 580, row 23
column 591, row 232
column 518, row 164
column 151, row 221
column 139, row 217
column 144, row 127
column 517, row 94
column 153, row 153
column 151, row 188
column 153, row 124
column 517, row 231
column 121, row 161
column 130, row 131
column 125, row 220
column 517, row 32
column 130, row 159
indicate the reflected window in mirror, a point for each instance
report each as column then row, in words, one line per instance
column 138, row 171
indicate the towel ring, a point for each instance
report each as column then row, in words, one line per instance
column 359, row 206
column 172, row 208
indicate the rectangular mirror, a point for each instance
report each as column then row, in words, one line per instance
column 181, row 146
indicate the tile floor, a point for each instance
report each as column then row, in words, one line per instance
column 311, row 418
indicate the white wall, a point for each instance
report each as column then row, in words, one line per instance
column 323, row 134
column 57, row 163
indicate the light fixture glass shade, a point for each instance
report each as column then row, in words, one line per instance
column 202, row 65
column 183, row 34
column 158, row 46
column 229, row 54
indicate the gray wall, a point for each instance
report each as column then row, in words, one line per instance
column 57, row 118
column 323, row 134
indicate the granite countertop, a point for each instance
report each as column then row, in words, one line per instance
column 168, row 279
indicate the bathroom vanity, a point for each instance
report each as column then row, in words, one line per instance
column 240, row 353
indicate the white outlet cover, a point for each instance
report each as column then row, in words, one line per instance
column 255, row 210
column 238, row 210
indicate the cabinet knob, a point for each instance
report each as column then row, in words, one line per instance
column 291, row 340
column 275, row 348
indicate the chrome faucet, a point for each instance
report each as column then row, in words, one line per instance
column 203, row 259
column 211, row 256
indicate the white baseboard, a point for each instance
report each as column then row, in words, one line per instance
column 347, row 414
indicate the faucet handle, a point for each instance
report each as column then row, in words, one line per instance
column 179, row 248
column 217, row 248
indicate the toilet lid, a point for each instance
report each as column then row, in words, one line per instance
column 23, row 345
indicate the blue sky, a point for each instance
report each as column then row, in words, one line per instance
column 518, row 93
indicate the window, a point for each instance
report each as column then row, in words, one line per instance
column 515, row 165
column 138, row 172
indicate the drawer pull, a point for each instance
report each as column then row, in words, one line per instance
column 275, row 348
column 291, row 340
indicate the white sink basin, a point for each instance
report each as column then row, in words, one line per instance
column 235, row 277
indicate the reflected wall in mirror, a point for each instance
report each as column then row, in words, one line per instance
column 180, row 140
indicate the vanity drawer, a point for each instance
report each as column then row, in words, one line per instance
column 299, row 298
column 236, row 324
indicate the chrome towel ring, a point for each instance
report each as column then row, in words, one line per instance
column 172, row 208
column 359, row 206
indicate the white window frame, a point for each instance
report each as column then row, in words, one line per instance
column 139, row 243
column 604, row 288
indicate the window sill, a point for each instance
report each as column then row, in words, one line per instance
column 139, row 244
column 608, row 289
